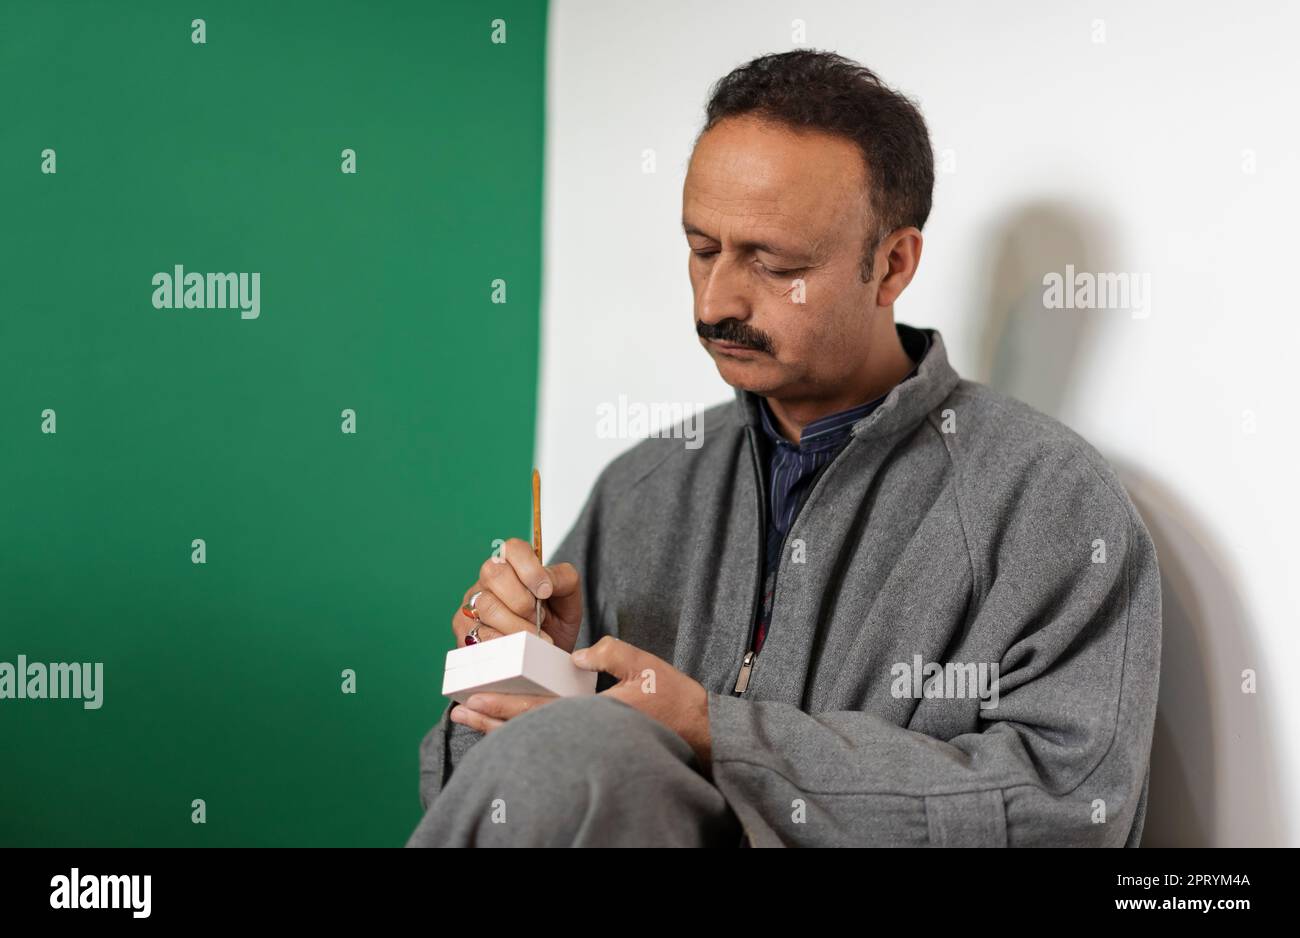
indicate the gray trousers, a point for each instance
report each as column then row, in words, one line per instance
column 579, row 772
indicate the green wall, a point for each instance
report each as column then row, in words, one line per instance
column 325, row 550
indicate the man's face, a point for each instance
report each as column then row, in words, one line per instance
column 765, row 207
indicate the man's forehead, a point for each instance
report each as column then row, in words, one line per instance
column 798, row 182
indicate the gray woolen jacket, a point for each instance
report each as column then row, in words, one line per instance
column 957, row 527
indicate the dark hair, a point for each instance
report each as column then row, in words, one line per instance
column 827, row 92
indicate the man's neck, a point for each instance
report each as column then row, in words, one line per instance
column 885, row 365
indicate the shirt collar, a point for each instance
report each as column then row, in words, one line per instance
column 833, row 429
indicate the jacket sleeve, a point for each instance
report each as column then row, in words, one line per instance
column 446, row 743
column 1062, row 759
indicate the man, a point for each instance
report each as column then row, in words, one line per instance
column 880, row 605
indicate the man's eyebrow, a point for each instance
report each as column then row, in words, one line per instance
column 766, row 246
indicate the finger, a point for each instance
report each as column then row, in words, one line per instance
column 496, row 614
column 549, row 624
column 474, row 720
column 505, row 706
column 485, row 633
column 528, row 568
column 461, row 625
column 499, row 575
column 566, row 601
column 611, row 655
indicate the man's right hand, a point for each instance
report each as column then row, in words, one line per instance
column 511, row 583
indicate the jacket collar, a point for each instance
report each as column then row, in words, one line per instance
column 906, row 404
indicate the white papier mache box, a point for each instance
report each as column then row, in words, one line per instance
column 520, row 663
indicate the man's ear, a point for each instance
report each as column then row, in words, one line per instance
column 901, row 253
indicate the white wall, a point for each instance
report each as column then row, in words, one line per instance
column 1122, row 156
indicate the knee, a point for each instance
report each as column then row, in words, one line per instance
column 574, row 771
column 578, row 739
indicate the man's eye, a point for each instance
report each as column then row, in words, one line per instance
column 770, row 271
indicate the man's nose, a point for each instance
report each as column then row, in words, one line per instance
column 722, row 294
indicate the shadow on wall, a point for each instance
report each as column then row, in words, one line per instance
column 1214, row 779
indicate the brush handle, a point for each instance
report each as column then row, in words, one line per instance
column 537, row 537
column 537, row 514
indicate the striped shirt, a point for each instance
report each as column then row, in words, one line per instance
column 793, row 469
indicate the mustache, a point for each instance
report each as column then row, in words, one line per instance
column 735, row 332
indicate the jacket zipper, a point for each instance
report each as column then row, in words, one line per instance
column 746, row 665
column 747, row 661
column 750, row 658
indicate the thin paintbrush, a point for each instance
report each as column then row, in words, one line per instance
column 537, row 535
